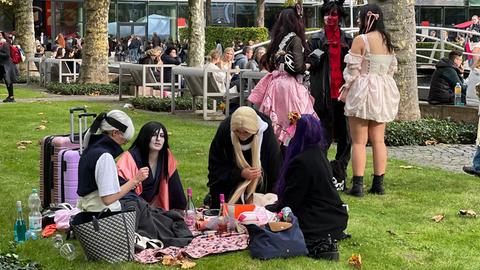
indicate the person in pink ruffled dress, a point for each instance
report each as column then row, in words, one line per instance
column 281, row 91
column 371, row 96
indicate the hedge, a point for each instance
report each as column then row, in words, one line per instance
column 163, row 104
column 429, row 45
column 227, row 35
column 82, row 89
column 429, row 129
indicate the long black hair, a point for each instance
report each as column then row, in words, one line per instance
column 142, row 144
column 288, row 21
column 377, row 24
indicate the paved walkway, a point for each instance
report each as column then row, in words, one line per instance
column 449, row 157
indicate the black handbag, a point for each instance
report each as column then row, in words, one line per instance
column 266, row 244
column 108, row 236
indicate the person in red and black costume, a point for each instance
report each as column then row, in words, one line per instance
column 329, row 48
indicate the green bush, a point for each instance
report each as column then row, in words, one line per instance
column 163, row 104
column 429, row 45
column 82, row 89
column 227, row 35
column 33, row 79
column 428, row 129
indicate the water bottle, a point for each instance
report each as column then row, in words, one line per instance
column 458, row 95
column 191, row 213
column 287, row 214
column 19, row 228
column 34, row 217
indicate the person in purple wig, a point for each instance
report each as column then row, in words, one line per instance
column 305, row 186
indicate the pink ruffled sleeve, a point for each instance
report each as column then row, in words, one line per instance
column 258, row 93
column 352, row 71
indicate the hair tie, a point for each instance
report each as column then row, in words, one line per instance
column 110, row 120
column 293, row 117
column 372, row 17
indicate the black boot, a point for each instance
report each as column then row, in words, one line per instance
column 377, row 185
column 324, row 249
column 357, row 188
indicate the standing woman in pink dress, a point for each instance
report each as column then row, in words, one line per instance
column 281, row 91
column 371, row 95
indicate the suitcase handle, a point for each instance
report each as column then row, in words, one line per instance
column 75, row 109
column 80, row 127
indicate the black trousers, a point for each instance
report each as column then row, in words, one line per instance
column 336, row 128
column 8, row 83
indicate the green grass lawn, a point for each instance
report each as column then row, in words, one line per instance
column 390, row 232
column 21, row 92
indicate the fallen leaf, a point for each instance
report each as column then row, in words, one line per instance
column 392, row 232
column 187, row 264
column 438, row 218
column 406, row 166
column 169, row 260
column 21, row 147
column 356, row 261
column 44, row 121
column 431, row 142
column 41, row 127
column 40, row 113
column 468, row 213
column 24, row 142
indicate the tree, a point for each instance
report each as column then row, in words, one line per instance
column 94, row 67
column 196, row 33
column 260, row 21
column 208, row 11
column 24, row 29
column 400, row 23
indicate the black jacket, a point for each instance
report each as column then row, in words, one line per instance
column 8, row 70
column 167, row 71
column 444, row 79
column 320, row 71
column 223, row 172
column 310, row 193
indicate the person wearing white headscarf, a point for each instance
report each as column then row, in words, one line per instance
column 98, row 185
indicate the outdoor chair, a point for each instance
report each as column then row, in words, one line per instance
column 201, row 85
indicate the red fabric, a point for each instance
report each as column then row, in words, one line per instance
column 336, row 77
column 49, row 230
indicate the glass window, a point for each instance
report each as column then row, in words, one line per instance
column 309, row 15
column 222, row 14
column 454, row 16
column 246, row 15
column 271, row 14
column 6, row 19
column 431, row 15
column 162, row 19
column 131, row 12
column 69, row 18
column 112, row 19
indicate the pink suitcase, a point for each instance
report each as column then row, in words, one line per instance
column 65, row 188
column 50, row 147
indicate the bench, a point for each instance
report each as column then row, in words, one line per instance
column 467, row 114
column 57, row 70
column 201, row 84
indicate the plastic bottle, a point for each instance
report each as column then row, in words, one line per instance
column 34, row 217
column 191, row 213
column 19, row 228
column 458, row 95
column 287, row 214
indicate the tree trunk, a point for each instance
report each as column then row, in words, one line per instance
column 196, row 33
column 24, row 30
column 208, row 11
column 260, row 22
column 400, row 23
column 94, row 67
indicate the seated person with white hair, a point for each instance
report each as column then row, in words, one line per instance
column 98, row 185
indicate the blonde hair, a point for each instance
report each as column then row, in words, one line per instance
column 245, row 118
column 214, row 54
column 228, row 49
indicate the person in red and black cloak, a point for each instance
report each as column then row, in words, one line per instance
column 329, row 48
